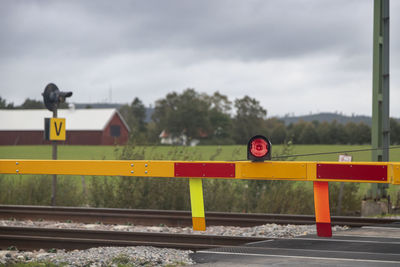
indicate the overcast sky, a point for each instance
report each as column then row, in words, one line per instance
column 293, row 56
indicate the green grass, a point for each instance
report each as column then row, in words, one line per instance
column 64, row 152
column 237, row 152
column 357, row 156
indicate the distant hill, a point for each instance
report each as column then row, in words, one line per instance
column 328, row 117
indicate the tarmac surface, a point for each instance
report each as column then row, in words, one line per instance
column 365, row 246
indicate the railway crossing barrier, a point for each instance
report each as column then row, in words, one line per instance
column 320, row 173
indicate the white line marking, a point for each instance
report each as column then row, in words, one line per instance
column 381, row 228
column 322, row 251
column 372, row 236
column 350, row 240
column 297, row 257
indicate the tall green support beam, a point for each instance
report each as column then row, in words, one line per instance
column 380, row 87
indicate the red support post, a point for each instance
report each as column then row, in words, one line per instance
column 322, row 214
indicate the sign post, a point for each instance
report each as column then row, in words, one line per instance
column 342, row 158
column 197, row 204
column 54, row 127
column 54, row 157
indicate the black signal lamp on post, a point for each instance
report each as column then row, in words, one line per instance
column 52, row 97
column 259, row 149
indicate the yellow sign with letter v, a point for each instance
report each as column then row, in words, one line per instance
column 57, row 129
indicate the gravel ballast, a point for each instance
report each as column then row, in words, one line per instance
column 138, row 256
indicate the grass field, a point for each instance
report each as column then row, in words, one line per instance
column 190, row 153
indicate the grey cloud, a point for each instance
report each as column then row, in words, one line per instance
column 250, row 30
column 149, row 48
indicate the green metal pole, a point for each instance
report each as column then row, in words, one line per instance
column 380, row 87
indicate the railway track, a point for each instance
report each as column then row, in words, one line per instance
column 25, row 238
column 29, row 238
column 170, row 218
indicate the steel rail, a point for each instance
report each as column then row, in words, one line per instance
column 29, row 238
column 170, row 218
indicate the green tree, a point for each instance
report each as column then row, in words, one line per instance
column 183, row 114
column 337, row 132
column 295, row 131
column 309, row 134
column 351, row 132
column 276, row 130
column 324, row 133
column 220, row 119
column 363, row 134
column 279, row 134
column 249, row 119
column 135, row 115
column 219, row 102
column 394, row 132
column 32, row 104
column 5, row 105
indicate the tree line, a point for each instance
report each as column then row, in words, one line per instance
column 215, row 119
column 27, row 104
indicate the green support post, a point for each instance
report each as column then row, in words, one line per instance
column 380, row 87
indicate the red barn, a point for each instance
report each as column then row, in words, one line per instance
column 83, row 127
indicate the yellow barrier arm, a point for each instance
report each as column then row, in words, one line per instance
column 318, row 172
column 359, row 172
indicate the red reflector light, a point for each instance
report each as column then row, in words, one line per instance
column 259, row 147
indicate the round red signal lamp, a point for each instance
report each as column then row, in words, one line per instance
column 259, row 148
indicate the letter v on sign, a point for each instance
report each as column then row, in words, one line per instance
column 57, row 129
